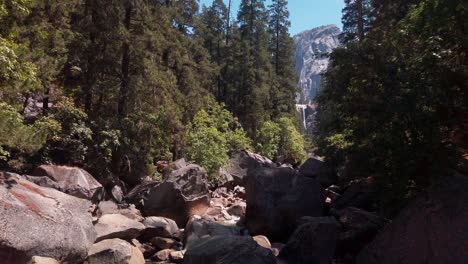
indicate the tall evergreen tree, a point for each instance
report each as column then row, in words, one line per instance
column 283, row 90
column 357, row 19
column 255, row 65
column 212, row 30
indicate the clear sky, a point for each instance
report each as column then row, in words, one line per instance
column 305, row 14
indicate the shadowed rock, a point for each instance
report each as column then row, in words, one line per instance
column 240, row 166
column 277, row 198
column 228, row 250
column 183, row 194
column 431, row 229
column 312, row 242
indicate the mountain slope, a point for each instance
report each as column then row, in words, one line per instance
column 312, row 49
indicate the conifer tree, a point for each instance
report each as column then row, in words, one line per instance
column 357, row 18
column 283, row 89
column 255, row 65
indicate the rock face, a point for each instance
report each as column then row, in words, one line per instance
column 183, row 194
column 228, row 250
column 358, row 228
column 117, row 226
column 315, row 168
column 72, row 180
column 431, row 229
column 160, row 227
column 312, row 50
column 360, row 193
column 277, row 198
column 42, row 260
column 114, row 251
column 128, row 210
column 198, row 228
column 240, row 166
column 312, row 242
column 37, row 221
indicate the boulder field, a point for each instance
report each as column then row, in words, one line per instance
column 260, row 213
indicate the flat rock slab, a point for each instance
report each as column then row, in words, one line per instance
column 117, row 226
column 72, row 180
column 114, row 251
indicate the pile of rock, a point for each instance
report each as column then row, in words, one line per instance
column 57, row 216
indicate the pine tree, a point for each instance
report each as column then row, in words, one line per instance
column 212, row 30
column 357, row 19
column 283, row 90
column 255, row 65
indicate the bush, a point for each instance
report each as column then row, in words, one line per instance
column 268, row 139
column 281, row 141
column 18, row 140
column 70, row 144
column 212, row 136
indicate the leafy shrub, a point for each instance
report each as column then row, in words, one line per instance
column 18, row 139
column 213, row 134
column 281, row 141
column 70, row 144
column 268, row 139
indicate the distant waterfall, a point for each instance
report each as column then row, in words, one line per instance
column 301, row 108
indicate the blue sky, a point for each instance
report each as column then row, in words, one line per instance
column 305, row 14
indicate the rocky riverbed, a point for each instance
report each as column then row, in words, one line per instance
column 260, row 213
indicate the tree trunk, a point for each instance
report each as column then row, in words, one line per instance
column 228, row 25
column 124, row 86
column 360, row 20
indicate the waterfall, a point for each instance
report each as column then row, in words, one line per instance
column 301, row 108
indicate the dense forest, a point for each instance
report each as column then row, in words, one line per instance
column 115, row 86
column 162, row 131
column 394, row 101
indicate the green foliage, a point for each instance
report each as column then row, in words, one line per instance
column 212, row 136
column 17, row 75
column 268, row 139
column 18, row 139
column 69, row 145
column 123, row 86
column 391, row 103
column 292, row 142
column 282, row 141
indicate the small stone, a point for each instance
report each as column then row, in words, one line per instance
column 163, row 243
column 162, row 255
column 42, row 260
column 237, row 209
column 177, row 256
column 262, row 241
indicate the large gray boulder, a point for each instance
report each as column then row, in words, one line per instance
column 114, row 251
column 128, row 210
column 312, row 242
column 315, row 168
column 242, row 164
column 117, row 226
column 71, row 180
column 431, row 229
column 361, row 193
column 183, row 194
column 277, row 198
column 228, row 250
column 38, row 221
column 358, row 228
column 156, row 226
column 198, row 228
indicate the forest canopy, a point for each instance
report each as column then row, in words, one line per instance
column 114, row 88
